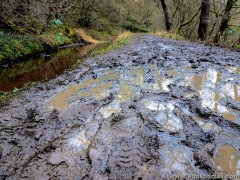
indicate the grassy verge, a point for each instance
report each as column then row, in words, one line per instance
column 14, row 45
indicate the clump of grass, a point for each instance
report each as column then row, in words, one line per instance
column 166, row 34
column 75, row 65
column 4, row 98
column 80, row 34
column 30, row 84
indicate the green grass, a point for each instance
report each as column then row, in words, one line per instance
column 5, row 97
column 14, row 45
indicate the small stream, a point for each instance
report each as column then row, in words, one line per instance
column 44, row 67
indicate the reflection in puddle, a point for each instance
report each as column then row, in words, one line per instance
column 227, row 160
column 212, row 76
column 157, row 106
column 140, row 76
column 210, row 98
column 203, row 83
column 231, row 90
column 101, row 91
column 113, row 107
column 207, row 126
column 163, row 83
column 60, row 100
column 109, row 76
column 126, row 93
column 232, row 69
column 80, row 95
column 151, row 86
column 169, row 121
column 172, row 72
column 194, row 81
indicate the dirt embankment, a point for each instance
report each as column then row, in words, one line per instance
column 156, row 108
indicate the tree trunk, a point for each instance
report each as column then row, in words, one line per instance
column 225, row 19
column 166, row 14
column 203, row 25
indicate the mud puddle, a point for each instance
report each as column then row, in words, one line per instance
column 227, row 159
column 140, row 112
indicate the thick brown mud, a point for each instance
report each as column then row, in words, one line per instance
column 153, row 109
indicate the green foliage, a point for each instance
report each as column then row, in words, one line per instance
column 4, row 98
column 237, row 46
column 134, row 27
column 15, row 90
column 14, row 45
column 232, row 32
column 57, row 34
column 75, row 65
column 69, row 31
column 59, row 39
column 57, row 22
column 30, row 84
column 54, row 39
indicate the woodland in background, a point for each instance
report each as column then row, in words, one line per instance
column 213, row 20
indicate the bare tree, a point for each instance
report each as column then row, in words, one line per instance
column 225, row 19
column 166, row 15
column 204, row 17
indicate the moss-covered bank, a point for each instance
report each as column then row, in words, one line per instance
column 15, row 45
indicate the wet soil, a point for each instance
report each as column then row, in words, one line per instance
column 155, row 108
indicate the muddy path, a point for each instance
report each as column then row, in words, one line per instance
column 155, row 108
